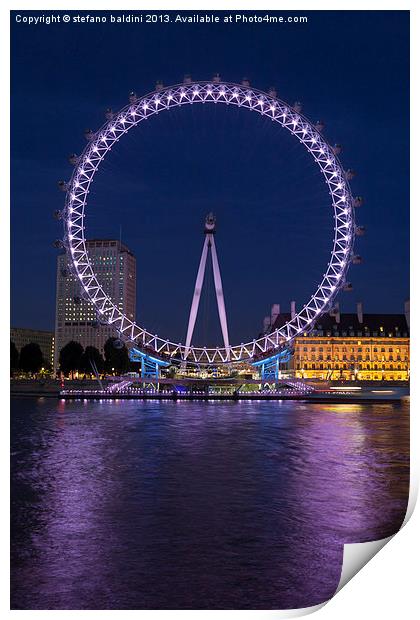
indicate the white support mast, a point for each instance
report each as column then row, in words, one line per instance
column 209, row 243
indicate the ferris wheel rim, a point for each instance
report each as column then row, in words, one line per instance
column 269, row 105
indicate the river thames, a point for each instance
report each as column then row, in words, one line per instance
column 197, row 505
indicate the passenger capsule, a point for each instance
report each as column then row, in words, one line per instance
column 59, row 244
column 187, row 79
column 159, row 85
column 89, row 134
column 109, row 114
column 334, row 311
column 58, row 214
column 320, row 126
column 360, row 231
column 73, row 159
column 95, row 324
column 246, row 82
column 132, row 97
column 118, row 344
column 271, row 91
column 64, row 272
column 62, row 185
column 348, row 287
column 216, row 78
column 336, row 149
column 77, row 300
column 356, row 259
column 350, row 174
column 298, row 107
column 358, row 201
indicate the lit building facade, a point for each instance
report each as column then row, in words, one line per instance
column 22, row 336
column 115, row 267
column 355, row 346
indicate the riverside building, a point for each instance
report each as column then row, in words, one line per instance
column 22, row 336
column 353, row 346
column 115, row 267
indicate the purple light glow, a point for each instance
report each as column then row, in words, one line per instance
column 293, row 122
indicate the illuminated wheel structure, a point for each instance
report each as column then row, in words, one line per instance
column 140, row 110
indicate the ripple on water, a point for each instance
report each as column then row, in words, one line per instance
column 166, row 505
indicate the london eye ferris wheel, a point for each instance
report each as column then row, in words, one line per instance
column 290, row 117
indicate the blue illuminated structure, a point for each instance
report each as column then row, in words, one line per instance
column 270, row 366
column 150, row 366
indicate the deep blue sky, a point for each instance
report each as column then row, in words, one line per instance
column 274, row 231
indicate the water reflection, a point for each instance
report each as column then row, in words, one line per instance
column 137, row 505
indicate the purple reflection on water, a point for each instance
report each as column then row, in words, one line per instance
column 138, row 505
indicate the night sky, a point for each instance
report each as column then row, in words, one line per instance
column 274, row 227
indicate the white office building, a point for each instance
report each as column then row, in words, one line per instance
column 115, row 267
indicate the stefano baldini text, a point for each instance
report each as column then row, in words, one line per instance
column 165, row 18
column 130, row 18
column 207, row 18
